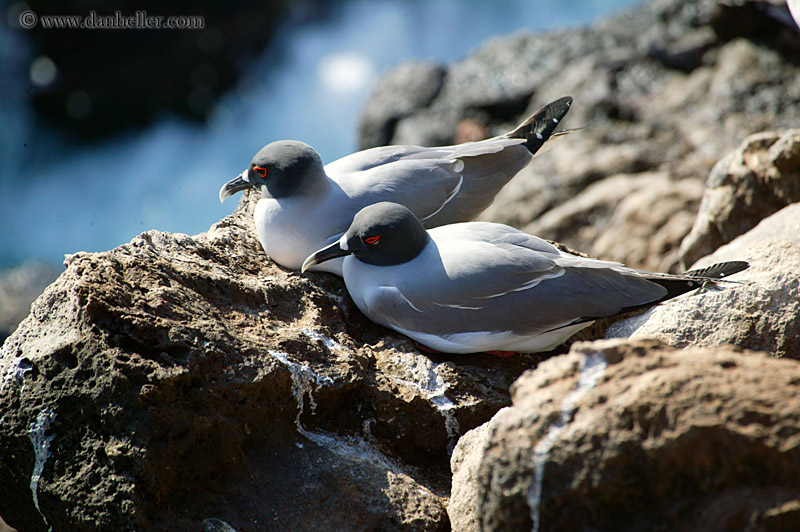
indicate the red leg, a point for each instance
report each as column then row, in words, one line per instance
column 426, row 349
column 502, row 354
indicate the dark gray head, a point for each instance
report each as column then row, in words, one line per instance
column 279, row 170
column 382, row 234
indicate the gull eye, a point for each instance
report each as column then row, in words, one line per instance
column 372, row 240
column 260, row 170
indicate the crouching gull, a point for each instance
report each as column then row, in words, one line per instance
column 486, row 287
column 305, row 206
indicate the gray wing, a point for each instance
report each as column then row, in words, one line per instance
column 495, row 278
column 439, row 185
column 446, row 184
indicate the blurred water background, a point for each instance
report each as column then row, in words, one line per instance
column 59, row 195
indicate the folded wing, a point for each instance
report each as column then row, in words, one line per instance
column 495, row 278
column 446, row 184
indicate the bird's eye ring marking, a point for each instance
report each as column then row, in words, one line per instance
column 260, row 170
column 372, row 240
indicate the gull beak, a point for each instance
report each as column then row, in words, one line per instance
column 238, row 183
column 327, row 253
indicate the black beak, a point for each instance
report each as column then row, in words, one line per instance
column 327, row 253
column 238, row 183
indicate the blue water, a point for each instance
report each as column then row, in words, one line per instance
column 56, row 200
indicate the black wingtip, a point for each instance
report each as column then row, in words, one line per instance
column 541, row 124
column 685, row 282
column 719, row 270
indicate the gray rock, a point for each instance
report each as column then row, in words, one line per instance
column 634, row 436
column 758, row 179
column 399, row 92
column 763, row 312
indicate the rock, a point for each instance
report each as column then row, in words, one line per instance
column 569, row 166
column 781, row 519
column 638, row 219
column 783, row 225
column 186, row 383
column 766, row 20
column 4, row 527
column 758, row 179
column 182, row 383
column 662, row 89
column 400, row 91
column 763, row 312
column 464, row 466
column 19, row 286
column 632, row 436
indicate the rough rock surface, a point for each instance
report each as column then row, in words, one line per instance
column 639, row 436
column 667, row 87
column 762, row 313
column 783, row 225
column 464, row 465
column 743, row 190
column 651, row 209
column 177, row 379
column 759, row 178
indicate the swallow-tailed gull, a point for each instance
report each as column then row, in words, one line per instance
column 485, row 287
column 305, row 206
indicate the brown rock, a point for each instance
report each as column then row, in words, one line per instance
column 469, row 130
column 635, row 436
column 178, row 382
column 635, row 219
column 464, row 464
column 759, row 178
column 783, row 225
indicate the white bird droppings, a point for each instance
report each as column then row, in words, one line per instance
column 592, row 369
column 37, row 432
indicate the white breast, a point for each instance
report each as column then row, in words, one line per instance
column 292, row 229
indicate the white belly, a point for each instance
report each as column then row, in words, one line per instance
column 477, row 342
column 292, row 230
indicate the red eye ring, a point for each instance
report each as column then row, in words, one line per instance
column 260, row 170
column 373, row 239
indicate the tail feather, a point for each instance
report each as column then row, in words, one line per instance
column 719, row 270
column 541, row 124
column 677, row 285
column 682, row 283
